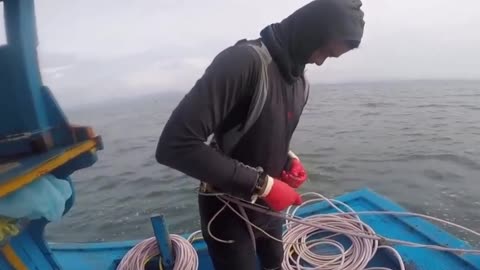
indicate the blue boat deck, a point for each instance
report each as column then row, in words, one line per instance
column 107, row 255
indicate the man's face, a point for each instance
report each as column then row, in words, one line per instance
column 332, row 49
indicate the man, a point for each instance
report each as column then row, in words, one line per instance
column 260, row 163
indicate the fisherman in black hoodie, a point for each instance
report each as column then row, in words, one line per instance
column 260, row 163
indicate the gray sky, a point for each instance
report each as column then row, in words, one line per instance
column 120, row 48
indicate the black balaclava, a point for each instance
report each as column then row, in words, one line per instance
column 292, row 41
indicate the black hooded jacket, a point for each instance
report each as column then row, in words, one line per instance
column 220, row 99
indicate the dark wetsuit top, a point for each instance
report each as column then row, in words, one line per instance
column 219, row 101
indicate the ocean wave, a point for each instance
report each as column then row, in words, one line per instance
column 329, row 169
column 433, row 106
column 441, row 139
column 130, row 148
column 371, row 114
column 439, row 176
column 464, row 95
column 440, row 125
column 415, row 134
column 378, row 104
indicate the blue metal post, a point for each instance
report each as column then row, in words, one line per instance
column 163, row 241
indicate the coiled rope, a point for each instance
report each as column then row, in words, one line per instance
column 302, row 239
column 186, row 257
column 299, row 249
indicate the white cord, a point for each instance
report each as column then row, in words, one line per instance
column 301, row 248
column 186, row 257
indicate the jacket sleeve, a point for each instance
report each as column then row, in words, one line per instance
column 229, row 79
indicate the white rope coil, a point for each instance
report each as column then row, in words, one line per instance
column 186, row 257
column 303, row 244
column 305, row 239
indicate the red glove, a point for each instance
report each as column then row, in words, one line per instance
column 296, row 175
column 278, row 195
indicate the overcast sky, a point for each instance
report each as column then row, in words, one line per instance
column 121, row 48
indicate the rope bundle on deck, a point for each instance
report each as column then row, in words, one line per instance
column 303, row 243
column 137, row 257
column 304, row 240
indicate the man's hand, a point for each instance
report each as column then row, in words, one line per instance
column 278, row 195
column 296, row 175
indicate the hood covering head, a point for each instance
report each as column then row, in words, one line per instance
column 292, row 41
